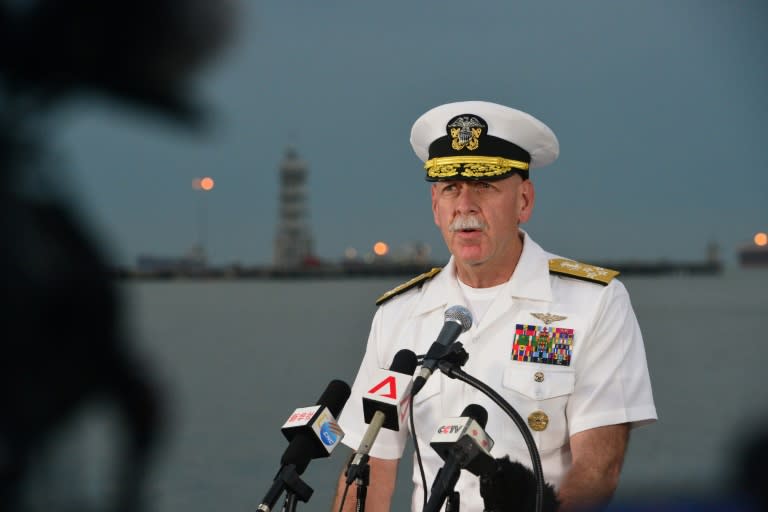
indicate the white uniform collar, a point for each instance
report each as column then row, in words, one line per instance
column 530, row 280
column 531, row 277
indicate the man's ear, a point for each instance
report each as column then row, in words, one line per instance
column 527, row 200
column 433, row 192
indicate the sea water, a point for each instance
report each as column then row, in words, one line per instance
column 234, row 358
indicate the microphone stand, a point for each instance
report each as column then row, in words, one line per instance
column 288, row 480
column 451, row 370
column 360, row 474
column 442, row 487
column 290, row 502
column 452, row 505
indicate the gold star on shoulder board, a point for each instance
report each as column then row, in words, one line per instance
column 548, row 318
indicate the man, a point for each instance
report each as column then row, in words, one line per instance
column 556, row 338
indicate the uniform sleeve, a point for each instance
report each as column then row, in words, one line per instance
column 612, row 381
column 389, row 444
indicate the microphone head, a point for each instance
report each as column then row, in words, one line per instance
column 460, row 315
column 405, row 361
column 313, row 431
column 477, row 413
column 335, row 396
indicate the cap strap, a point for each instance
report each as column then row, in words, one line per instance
column 473, row 166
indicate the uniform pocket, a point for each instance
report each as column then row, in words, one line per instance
column 539, row 393
column 538, row 382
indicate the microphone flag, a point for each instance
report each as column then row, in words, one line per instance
column 391, row 395
column 313, row 431
column 385, row 405
column 465, row 433
column 321, row 422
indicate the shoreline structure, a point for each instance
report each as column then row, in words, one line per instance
column 199, row 270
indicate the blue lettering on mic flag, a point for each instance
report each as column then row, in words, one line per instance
column 329, row 433
column 542, row 344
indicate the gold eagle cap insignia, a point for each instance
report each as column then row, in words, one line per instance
column 548, row 318
column 465, row 131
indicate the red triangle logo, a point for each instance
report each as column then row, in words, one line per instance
column 389, row 381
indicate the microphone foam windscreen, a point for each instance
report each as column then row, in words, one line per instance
column 335, row 396
column 477, row 413
column 404, row 362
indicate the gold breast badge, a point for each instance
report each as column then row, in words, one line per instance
column 548, row 318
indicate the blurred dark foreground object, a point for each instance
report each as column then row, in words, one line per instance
column 65, row 352
column 513, row 489
column 140, row 52
column 750, row 479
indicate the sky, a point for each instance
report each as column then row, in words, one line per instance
column 660, row 108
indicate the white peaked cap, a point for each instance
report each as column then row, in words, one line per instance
column 480, row 131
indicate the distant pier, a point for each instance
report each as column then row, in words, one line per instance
column 386, row 269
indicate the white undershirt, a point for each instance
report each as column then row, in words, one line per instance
column 479, row 299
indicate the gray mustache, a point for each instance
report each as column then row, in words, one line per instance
column 461, row 223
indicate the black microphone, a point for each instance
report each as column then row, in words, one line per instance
column 385, row 405
column 462, row 444
column 313, row 433
column 458, row 320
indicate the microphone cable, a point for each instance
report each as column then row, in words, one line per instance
column 347, row 486
column 416, row 449
column 533, row 451
column 344, row 497
column 418, row 456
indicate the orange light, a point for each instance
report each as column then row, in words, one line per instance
column 206, row 183
column 380, row 248
column 761, row 239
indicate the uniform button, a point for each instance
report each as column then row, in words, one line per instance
column 538, row 377
column 538, row 420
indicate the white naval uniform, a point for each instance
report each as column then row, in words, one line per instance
column 606, row 383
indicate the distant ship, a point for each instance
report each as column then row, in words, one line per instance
column 755, row 254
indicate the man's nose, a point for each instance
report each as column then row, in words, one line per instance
column 466, row 202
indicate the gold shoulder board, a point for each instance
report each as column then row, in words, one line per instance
column 416, row 281
column 570, row 268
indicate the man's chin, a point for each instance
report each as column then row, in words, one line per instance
column 470, row 258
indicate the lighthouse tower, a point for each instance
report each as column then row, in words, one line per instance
column 293, row 241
